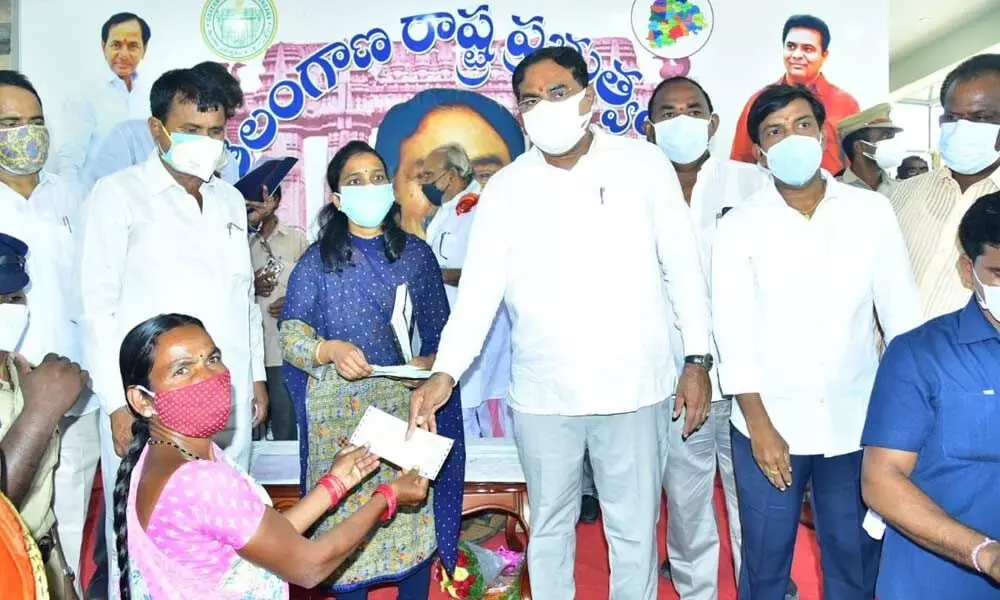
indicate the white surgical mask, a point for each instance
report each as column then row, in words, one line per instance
column 968, row 147
column 223, row 159
column 555, row 127
column 196, row 155
column 888, row 154
column 13, row 324
column 989, row 299
column 795, row 160
column 683, row 139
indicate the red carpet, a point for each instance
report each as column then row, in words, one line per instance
column 591, row 561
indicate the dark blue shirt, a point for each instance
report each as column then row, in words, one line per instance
column 937, row 394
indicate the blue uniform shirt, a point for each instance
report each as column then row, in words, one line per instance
column 937, row 394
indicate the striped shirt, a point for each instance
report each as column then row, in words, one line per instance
column 929, row 208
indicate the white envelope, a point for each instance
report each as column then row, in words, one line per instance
column 386, row 435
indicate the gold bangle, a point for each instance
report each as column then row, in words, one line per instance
column 317, row 352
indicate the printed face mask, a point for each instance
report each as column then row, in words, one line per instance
column 199, row 410
column 13, row 324
column 366, row 205
column 555, row 127
column 24, row 149
column 683, row 139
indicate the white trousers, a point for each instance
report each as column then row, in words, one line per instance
column 625, row 453
column 79, row 451
column 689, row 482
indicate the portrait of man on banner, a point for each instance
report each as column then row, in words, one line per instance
column 411, row 130
column 806, row 42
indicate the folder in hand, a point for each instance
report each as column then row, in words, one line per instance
column 269, row 173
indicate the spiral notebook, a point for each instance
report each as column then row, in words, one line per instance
column 386, row 436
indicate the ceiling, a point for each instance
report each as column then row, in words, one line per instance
column 913, row 23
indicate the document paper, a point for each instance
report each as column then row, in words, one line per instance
column 386, row 435
column 400, row 372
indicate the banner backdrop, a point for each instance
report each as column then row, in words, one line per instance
column 317, row 75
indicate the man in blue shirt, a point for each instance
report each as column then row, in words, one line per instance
column 932, row 438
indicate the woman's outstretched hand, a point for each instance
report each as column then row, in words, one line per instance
column 410, row 488
column 353, row 464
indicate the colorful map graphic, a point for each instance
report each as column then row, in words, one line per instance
column 673, row 20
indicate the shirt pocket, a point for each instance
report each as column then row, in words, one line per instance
column 970, row 422
column 236, row 254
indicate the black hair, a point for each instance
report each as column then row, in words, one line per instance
column 863, row 134
column 135, row 361
column 980, row 227
column 125, row 17
column 201, row 85
column 808, row 22
column 973, row 68
column 18, row 80
column 902, row 166
column 334, row 243
column 776, row 97
column 679, row 79
column 565, row 57
column 230, row 83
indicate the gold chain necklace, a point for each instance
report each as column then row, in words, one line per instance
column 188, row 454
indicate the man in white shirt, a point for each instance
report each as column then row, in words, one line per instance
column 682, row 123
column 584, row 258
column 168, row 236
column 43, row 210
column 796, row 273
column 130, row 143
column 449, row 183
column 120, row 96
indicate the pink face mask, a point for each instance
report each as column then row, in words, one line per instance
column 200, row 410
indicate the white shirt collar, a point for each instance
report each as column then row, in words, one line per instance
column 472, row 188
column 114, row 79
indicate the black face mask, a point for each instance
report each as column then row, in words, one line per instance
column 434, row 195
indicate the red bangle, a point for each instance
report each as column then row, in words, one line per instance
column 335, row 486
column 390, row 497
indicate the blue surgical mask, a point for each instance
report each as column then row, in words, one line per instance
column 968, row 147
column 795, row 160
column 366, row 205
column 683, row 139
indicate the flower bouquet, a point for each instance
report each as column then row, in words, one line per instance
column 482, row 574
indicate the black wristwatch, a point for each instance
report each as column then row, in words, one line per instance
column 701, row 360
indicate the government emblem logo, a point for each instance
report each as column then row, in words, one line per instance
column 238, row 30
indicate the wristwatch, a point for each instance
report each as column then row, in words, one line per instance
column 701, row 360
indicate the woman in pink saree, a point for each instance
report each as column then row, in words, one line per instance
column 191, row 523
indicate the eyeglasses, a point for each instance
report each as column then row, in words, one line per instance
column 557, row 95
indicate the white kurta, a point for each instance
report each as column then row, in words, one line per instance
column 148, row 249
column 89, row 117
column 489, row 375
column 722, row 184
column 585, row 260
column 48, row 222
